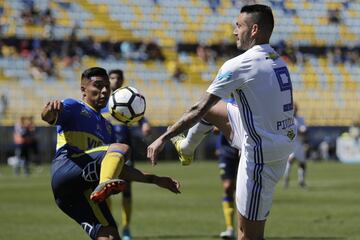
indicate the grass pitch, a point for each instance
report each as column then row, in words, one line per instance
column 329, row 208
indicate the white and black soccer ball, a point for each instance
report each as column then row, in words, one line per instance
column 127, row 105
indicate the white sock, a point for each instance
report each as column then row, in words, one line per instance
column 194, row 137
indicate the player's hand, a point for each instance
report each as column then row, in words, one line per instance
column 168, row 183
column 51, row 111
column 154, row 149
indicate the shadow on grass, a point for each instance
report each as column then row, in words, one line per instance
column 194, row 237
column 305, row 238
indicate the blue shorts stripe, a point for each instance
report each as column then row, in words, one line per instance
column 118, row 151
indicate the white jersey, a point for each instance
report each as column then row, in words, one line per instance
column 260, row 82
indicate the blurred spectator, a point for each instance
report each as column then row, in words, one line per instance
column 206, row 54
column 334, row 16
column 3, row 105
column 287, row 52
column 127, row 50
column 352, row 56
column 153, row 52
column 214, row 4
column 324, row 149
column 33, row 142
column 336, row 56
column 48, row 21
column 21, row 141
column 30, row 14
column 24, row 50
column 71, row 49
column 178, row 73
column 1, row 46
column 41, row 65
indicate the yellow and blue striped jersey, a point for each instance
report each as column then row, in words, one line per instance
column 80, row 127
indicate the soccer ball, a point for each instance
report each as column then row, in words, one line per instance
column 127, row 105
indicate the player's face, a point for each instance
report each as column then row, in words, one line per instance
column 116, row 81
column 243, row 31
column 96, row 92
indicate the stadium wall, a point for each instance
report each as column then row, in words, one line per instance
column 47, row 140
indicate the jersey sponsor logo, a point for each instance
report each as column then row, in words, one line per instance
column 224, row 75
column 272, row 56
column 85, row 113
column 284, row 124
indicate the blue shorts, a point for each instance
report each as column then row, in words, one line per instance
column 74, row 177
column 228, row 164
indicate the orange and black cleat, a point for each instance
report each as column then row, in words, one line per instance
column 105, row 189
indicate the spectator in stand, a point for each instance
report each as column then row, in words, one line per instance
column 33, row 142
column 178, row 73
column 30, row 14
column 337, row 56
column 3, row 105
column 153, row 51
column 24, row 49
column 41, row 65
column 334, row 16
column 21, row 140
column 71, row 49
column 205, row 53
column 48, row 21
column 214, row 4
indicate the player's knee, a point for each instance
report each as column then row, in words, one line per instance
column 123, row 148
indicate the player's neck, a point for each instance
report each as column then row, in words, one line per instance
column 92, row 107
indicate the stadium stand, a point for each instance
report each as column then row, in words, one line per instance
column 319, row 39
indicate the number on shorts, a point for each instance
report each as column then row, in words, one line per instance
column 283, row 77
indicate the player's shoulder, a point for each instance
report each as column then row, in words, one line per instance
column 72, row 102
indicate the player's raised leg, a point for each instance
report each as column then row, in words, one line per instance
column 111, row 167
column 216, row 116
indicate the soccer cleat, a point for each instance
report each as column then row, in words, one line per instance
column 126, row 234
column 184, row 159
column 228, row 234
column 105, row 189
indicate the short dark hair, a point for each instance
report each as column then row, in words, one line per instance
column 118, row 72
column 94, row 71
column 262, row 15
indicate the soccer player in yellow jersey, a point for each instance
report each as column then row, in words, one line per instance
column 87, row 163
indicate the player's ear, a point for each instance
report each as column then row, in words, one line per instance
column 83, row 92
column 254, row 29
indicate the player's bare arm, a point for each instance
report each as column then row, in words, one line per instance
column 190, row 118
column 51, row 111
column 133, row 174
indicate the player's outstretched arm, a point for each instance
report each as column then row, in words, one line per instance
column 189, row 119
column 51, row 111
column 133, row 174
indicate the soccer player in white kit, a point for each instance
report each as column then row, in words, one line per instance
column 299, row 152
column 262, row 124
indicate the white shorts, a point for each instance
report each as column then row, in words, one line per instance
column 256, row 182
column 255, row 187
